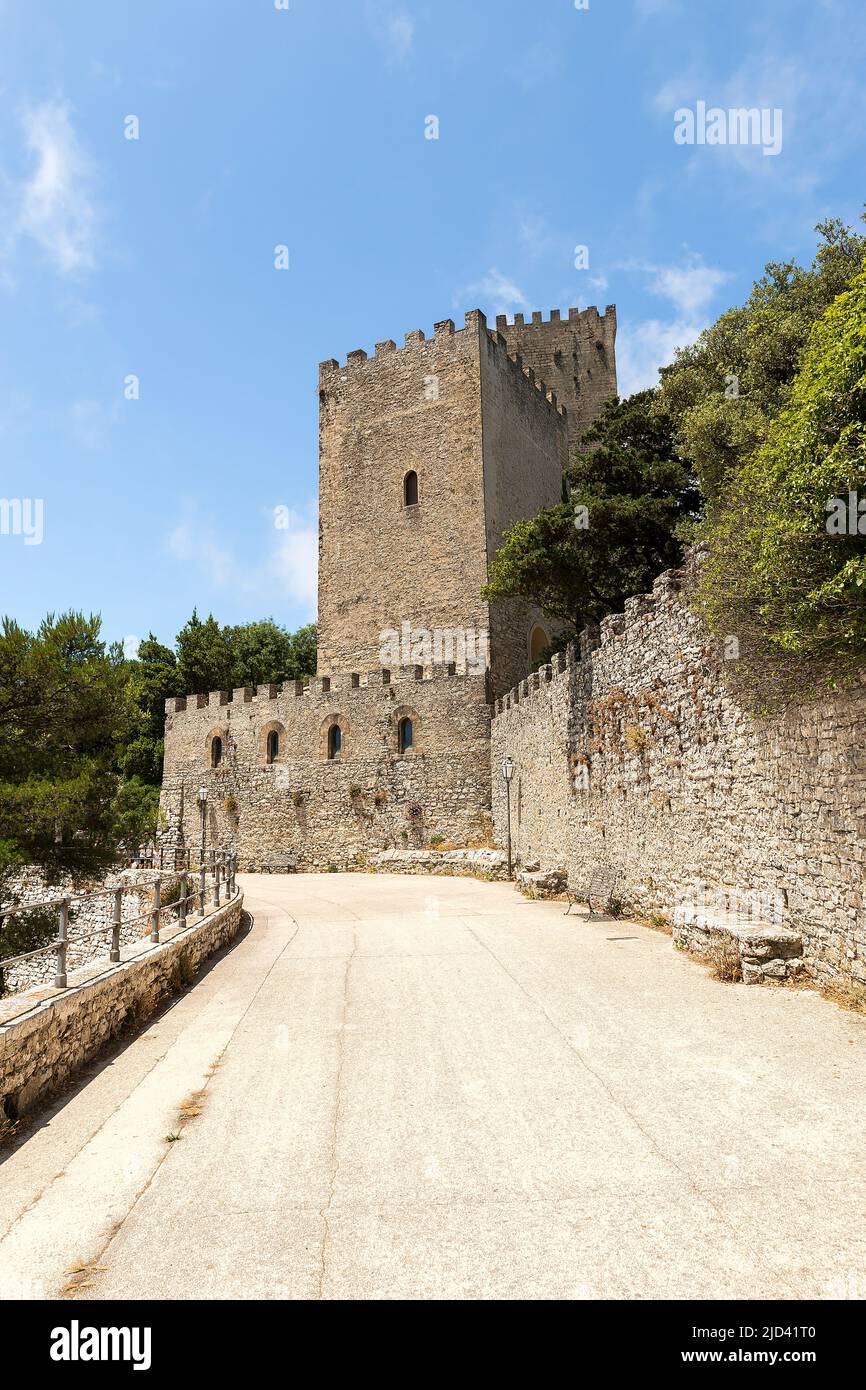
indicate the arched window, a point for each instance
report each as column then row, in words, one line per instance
column 273, row 748
column 335, row 741
column 216, row 751
column 410, row 489
column 538, row 644
column 404, row 734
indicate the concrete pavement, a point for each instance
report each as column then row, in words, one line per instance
column 433, row 1088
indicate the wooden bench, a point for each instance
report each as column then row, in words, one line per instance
column 601, row 885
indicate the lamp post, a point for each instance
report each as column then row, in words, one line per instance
column 202, row 799
column 202, row 807
column 508, row 773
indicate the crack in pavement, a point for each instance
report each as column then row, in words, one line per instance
column 333, row 1164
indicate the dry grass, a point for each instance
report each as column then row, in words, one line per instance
column 723, row 959
column 81, row 1279
column 636, row 738
column 848, row 996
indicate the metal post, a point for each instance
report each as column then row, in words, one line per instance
column 201, row 888
column 62, row 939
column 161, row 857
column 154, row 915
column 217, row 870
column 508, row 803
column 181, row 910
column 114, row 954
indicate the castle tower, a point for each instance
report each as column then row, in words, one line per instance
column 427, row 454
column 576, row 356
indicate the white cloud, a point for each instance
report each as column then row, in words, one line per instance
column 56, row 206
column 643, row 346
column 288, row 569
column 495, row 292
column 393, row 27
column 294, row 562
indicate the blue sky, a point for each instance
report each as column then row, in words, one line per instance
column 305, row 127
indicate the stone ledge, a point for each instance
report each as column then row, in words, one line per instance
column 766, row 951
column 55, row 1032
column 486, row 863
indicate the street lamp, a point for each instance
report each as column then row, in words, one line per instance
column 202, row 806
column 508, row 773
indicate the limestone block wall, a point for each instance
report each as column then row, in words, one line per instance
column 632, row 751
column 44, row 1045
column 325, row 811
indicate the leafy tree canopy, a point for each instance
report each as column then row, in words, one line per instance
column 626, row 501
column 786, row 570
column 66, row 709
column 723, row 393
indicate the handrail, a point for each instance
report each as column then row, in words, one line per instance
column 223, row 869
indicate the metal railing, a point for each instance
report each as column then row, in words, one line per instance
column 213, row 873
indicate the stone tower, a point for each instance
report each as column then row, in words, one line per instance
column 428, row 453
column 576, row 356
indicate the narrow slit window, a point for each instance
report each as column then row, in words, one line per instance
column 273, row 751
column 410, row 489
column 335, row 741
column 405, row 734
column 216, row 751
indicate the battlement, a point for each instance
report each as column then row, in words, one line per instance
column 474, row 322
column 316, row 686
column 665, row 591
column 358, row 360
column 515, row 360
column 587, row 318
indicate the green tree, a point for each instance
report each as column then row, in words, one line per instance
column 204, row 657
column 66, row 710
column 264, row 653
column 780, row 575
column 154, row 678
column 626, row 500
column 723, row 393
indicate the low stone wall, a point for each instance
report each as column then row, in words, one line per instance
column 473, row 863
column 632, row 751
column 91, row 911
column 46, row 1043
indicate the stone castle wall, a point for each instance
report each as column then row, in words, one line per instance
column 633, row 752
column 327, row 812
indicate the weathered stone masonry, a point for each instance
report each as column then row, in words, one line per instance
column 633, row 751
column 485, row 438
column 325, row 810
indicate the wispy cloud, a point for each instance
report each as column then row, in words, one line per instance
column 56, row 206
column 393, row 27
column 288, row 569
column 494, row 291
column 643, row 346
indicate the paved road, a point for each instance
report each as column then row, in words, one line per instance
column 432, row 1088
